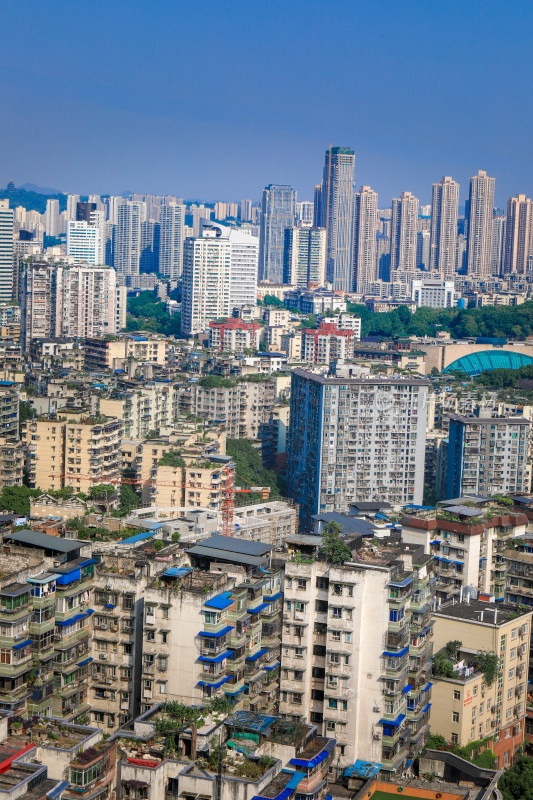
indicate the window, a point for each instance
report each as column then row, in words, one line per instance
column 348, row 637
column 332, row 703
column 150, row 636
column 336, row 612
column 512, row 653
column 456, row 695
column 127, row 602
column 330, row 725
column 297, row 698
column 455, row 738
column 514, row 633
column 334, row 658
column 474, row 691
column 162, row 687
column 336, row 636
column 511, row 673
column 455, row 716
column 510, row 693
column 302, row 583
column 164, row 635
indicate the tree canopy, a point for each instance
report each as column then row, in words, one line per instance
column 250, row 470
column 516, row 783
column 149, row 313
column 333, row 549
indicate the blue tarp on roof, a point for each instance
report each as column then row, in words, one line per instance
column 176, row 572
column 362, row 769
column 87, row 562
column 221, row 601
column 216, row 659
column 138, row 537
column 110, row 605
column 295, row 780
column 22, row 644
column 57, row 790
column 268, row 667
column 69, row 577
column 256, row 655
column 218, row 634
column 309, row 763
column 427, row 688
column 426, row 707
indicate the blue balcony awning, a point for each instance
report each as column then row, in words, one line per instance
column 309, row 763
column 426, row 707
column 57, row 790
column 216, row 659
column 401, row 584
column 85, row 661
column 399, row 654
column 236, row 692
column 268, row 667
column 277, row 596
column 76, row 618
column 395, row 723
column 258, row 608
column 428, row 687
column 221, row 601
column 20, row 645
column 257, row 655
column 407, row 688
column 110, row 605
column 217, row 634
column 225, row 679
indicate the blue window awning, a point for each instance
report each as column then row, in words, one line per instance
column 258, row 608
column 256, row 655
column 225, row 679
column 401, row 584
column 70, row 621
column 69, row 577
column 395, row 723
column 428, row 687
column 217, row 634
column 268, row 667
column 22, row 644
column 216, row 659
column 426, row 707
column 85, row 661
column 110, row 605
column 236, row 692
column 274, row 597
column 407, row 688
column 398, row 654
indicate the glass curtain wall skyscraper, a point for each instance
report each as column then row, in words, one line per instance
column 335, row 212
column 278, row 212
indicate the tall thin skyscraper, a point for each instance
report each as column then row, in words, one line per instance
column 336, row 215
column 127, row 250
column 6, row 251
column 365, row 222
column 171, row 239
column 519, row 235
column 499, row 223
column 304, row 257
column 423, row 239
column 245, row 210
column 404, row 221
column 444, row 210
column 72, row 204
column 51, row 218
column 480, row 214
column 277, row 213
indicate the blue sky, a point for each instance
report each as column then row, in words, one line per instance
column 213, row 100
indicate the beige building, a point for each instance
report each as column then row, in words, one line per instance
column 74, row 449
column 469, row 706
column 146, row 408
column 114, row 352
column 11, row 462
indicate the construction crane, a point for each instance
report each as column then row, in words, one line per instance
column 229, row 489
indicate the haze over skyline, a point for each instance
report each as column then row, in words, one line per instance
column 216, row 103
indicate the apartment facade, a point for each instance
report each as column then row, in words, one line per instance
column 355, row 439
column 234, row 335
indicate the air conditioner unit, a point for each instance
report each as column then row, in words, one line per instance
column 298, row 616
column 103, row 656
column 108, row 587
column 377, row 737
column 376, row 710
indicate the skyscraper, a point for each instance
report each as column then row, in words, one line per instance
column 444, row 210
column 423, row 239
column 171, row 239
column 150, row 246
column 304, row 257
column 127, row 250
column 72, row 203
column 480, row 213
column 519, row 235
column 499, row 223
column 84, row 242
column 6, row 251
column 277, row 213
column 245, row 210
column 403, row 235
column 365, row 221
column 336, row 215
column 51, row 218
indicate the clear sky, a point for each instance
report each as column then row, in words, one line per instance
column 215, row 99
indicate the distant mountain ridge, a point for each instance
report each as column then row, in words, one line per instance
column 32, row 187
column 32, row 200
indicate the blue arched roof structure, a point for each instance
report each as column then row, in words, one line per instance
column 475, row 363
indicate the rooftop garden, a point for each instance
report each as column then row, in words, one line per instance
column 172, row 458
column 445, row 663
column 477, row 752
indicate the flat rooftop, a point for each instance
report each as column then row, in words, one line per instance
column 494, row 614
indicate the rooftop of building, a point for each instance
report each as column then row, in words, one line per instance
column 482, row 613
column 363, row 379
column 48, row 732
column 474, row 421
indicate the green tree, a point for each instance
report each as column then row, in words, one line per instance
column 333, row 549
column 101, row 491
column 250, row 470
column 26, row 412
column 17, row 499
column 272, row 300
column 516, row 783
column 128, row 499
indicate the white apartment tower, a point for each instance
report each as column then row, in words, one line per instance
column 6, row 251
column 519, row 235
column 244, row 262
column 404, row 221
column 304, row 258
column 51, row 218
column 480, row 214
column 127, row 251
column 72, row 205
column 171, row 239
column 86, row 240
column 444, row 210
column 365, row 224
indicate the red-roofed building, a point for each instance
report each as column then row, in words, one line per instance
column 327, row 343
column 234, row 335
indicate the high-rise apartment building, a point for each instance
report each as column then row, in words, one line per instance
column 403, row 235
column 432, row 293
column 365, row 223
column 499, row 223
column 355, row 439
column 277, row 213
column 6, row 251
column 444, row 210
column 206, row 281
column 127, row 246
column 72, row 204
column 518, row 235
column 51, row 218
column 335, row 210
column 304, row 259
column 487, row 456
column 245, row 211
column 86, row 237
column 244, row 255
column 171, row 239
column 356, row 649
column 480, row 214
column 305, row 213
column 423, row 249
